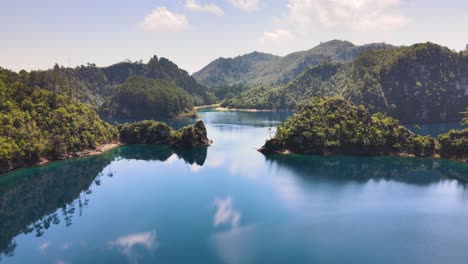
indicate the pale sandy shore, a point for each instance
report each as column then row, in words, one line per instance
column 206, row 106
column 99, row 150
column 84, row 153
column 219, row 108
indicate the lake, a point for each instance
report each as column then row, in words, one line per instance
column 230, row 204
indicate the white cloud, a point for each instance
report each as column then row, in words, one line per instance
column 163, row 20
column 194, row 5
column 245, row 5
column 279, row 36
column 357, row 15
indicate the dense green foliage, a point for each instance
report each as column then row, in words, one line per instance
column 454, row 144
column 256, row 68
column 335, row 126
column 141, row 97
column 93, row 85
column 420, row 83
column 228, row 91
column 36, row 124
column 310, row 83
column 152, row 132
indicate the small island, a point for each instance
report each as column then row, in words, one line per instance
column 152, row 132
column 329, row 126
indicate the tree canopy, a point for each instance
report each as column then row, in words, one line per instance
column 141, row 98
column 335, row 126
column 37, row 124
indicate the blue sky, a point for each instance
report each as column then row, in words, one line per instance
column 36, row 34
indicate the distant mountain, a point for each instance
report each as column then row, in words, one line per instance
column 420, row 83
column 236, row 70
column 265, row 69
column 93, row 85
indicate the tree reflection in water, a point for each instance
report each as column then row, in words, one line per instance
column 33, row 199
column 417, row 171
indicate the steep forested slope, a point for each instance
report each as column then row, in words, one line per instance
column 229, row 71
column 141, row 97
column 37, row 124
column 420, row 83
column 264, row 69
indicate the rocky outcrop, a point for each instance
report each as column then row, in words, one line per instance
column 191, row 136
column 152, row 132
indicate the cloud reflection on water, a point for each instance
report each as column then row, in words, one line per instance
column 225, row 214
column 233, row 244
column 43, row 248
column 127, row 244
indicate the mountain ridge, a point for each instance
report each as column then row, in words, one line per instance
column 420, row 83
column 274, row 70
column 92, row 85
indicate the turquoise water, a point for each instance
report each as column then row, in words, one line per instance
column 230, row 204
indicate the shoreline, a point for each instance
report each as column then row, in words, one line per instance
column 400, row 155
column 226, row 109
column 101, row 149
column 206, row 106
column 218, row 107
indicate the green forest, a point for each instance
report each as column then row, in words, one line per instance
column 141, row 97
column 416, row 84
column 94, row 85
column 153, row 132
column 37, row 124
column 327, row 126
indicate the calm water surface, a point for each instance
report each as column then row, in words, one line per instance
column 230, row 204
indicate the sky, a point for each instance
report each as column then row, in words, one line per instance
column 192, row 33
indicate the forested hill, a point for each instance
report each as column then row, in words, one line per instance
column 230, row 71
column 420, row 83
column 141, row 98
column 327, row 126
column 36, row 124
column 265, row 69
column 93, row 85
